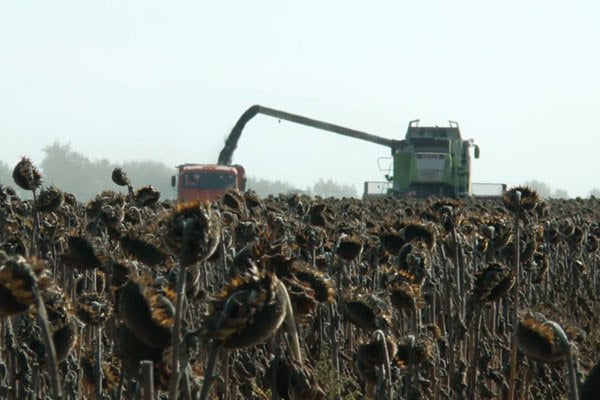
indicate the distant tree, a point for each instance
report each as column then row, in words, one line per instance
column 545, row 190
column 5, row 174
column 595, row 192
column 264, row 187
column 542, row 188
column 70, row 171
column 560, row 194
column 74, row 173
column 330, row 188
column 143, row 173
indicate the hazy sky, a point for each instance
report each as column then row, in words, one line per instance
column 166, row 81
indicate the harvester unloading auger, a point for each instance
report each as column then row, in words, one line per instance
column 429, row 161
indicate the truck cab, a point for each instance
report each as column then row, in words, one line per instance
column 207, row 182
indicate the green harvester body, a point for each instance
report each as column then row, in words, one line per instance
column 432, row 161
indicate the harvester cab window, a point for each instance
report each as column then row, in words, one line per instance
column 210, row 180
column 431, row 145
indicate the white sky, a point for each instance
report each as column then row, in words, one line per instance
column 166, row 81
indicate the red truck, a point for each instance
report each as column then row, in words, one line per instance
column 207, row 181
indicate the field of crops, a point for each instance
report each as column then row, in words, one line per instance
column 290, row 297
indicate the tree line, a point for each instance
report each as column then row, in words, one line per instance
column 75, row 173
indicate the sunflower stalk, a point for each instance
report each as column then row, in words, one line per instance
column 567, row 349
column 147, row 380
column 98, row 366
column 225, row 360
column 187, row 391
column 513, row 345
column 448, row 322
column 274, row 391
column 48, row 342
column 120, row 386
column 209, row 371
column 36, row 380
column 472, row 387
column 333, row 317
column 176, row 340
column 36, row 225
column 290, row 324
column 387, row 367
column 11, row 348
column 412, row 369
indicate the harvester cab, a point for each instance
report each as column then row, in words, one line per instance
column 432, row 160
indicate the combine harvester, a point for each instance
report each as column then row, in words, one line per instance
column 430, row 161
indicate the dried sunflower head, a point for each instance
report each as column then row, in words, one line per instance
column 246, row 232
column 18, row 278
column 302, row 299
column 192, row 289
column 320, row 215
column 110, row 374
column 70, row 199
column 192, row 231
column 372, row 353
column 119, row 177
column 319, row 282
column 247, row 311
column 529, row 198
column 576, row 238
column 252, row 200
column 498, row 230
column 63, row 327
column 112, row 214
column 120, row 273
column 413, row 350
column 92, row 309
column 131, row 350
column 26, row 175
column 591, row 385
column 367, row 373
column 367, row 311
column 350, row 247
column 415, row 258
column 143, row 250
column 391, row 240
column 64, row 336
column 538, row 338
column 147, row 311
column 448, row 212
column 292, row 381
column 417, row 231
column 592, row 243
column 82, row 253
column 234, row 200
column 494, row 282
column 310, row 237
column 405, row 292
column 50, row 199
column 146, row 196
